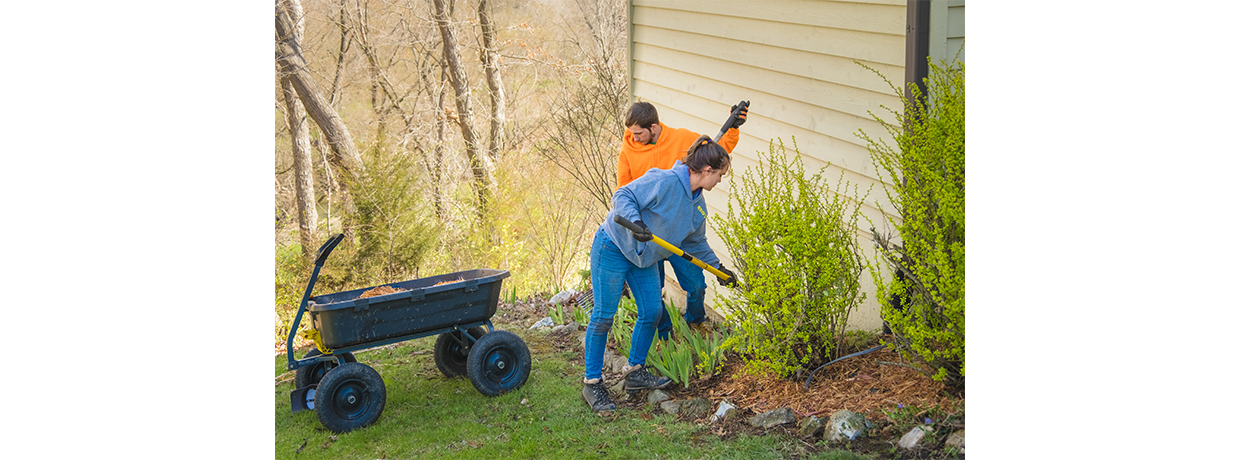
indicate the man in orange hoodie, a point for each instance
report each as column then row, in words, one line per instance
column 650, row 144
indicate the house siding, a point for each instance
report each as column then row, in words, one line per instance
column 794, row 61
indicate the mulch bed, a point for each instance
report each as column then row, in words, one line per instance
column 861, row 384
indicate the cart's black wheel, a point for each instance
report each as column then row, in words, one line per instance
column 450, row 355
column 349, row 397
column 312, row 374
column 499, row 362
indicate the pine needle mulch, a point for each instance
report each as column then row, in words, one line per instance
column 381, row 290
column 860, row 384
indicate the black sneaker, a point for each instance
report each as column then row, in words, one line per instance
column 596, row 396
column 638, row 378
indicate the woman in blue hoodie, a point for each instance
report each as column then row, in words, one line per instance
column 666, row 202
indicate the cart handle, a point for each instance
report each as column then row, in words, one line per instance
column 327, row 247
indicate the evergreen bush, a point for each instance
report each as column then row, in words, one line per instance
column 794, row 244
column 923, row 302
column 395, row 226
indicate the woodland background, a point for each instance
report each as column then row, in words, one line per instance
column 444, row 135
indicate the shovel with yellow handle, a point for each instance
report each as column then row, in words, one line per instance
column 723, row 277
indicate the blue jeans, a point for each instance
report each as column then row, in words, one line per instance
column 609, row 270
column 693, row 280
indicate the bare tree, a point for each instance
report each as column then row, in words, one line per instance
column 479, row 163
column 293, row 67
column 583, row 136
column 495, row 83
column 303, row 171
column 344, row 50
column 441, row 132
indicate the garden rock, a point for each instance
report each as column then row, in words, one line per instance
column 543, row 323
column 695, row 408
column 657, row 396
column 956, row 440
column 616, row 362
column 563, row 296
column 913, row 437
column 773, row 418
column 810, row 426
column 845, row 425
column 671, row 407
column 725, row 411
column 564, row 329
column 617, row 392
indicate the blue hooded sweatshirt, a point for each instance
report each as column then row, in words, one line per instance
column 661, row 199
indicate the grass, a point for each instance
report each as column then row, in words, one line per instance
column 430, row 416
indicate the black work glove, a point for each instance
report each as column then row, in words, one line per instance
column 644, row 235
column 731, row 276
column 740, row 117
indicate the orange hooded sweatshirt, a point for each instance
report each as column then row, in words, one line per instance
column 636, row 158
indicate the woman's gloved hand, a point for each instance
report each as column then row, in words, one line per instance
column 644, row 235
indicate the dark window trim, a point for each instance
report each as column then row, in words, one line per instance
column 917, row 47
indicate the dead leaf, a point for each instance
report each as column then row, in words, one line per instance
column 332, row 438
column 303, row 446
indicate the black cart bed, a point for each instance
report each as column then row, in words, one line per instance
column 422, row 305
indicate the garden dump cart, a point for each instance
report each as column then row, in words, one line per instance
column 456, row 307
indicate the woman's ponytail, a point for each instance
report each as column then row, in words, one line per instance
column 705, row 152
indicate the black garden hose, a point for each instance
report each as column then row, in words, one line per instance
column 859, row 353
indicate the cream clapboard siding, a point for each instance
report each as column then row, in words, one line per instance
column 794, row 61
column 947, row 30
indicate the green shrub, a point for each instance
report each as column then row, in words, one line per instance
column 395, row 225
column 793, row 240
column 292, row 273
column 924, row 301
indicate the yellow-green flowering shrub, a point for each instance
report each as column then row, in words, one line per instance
column 793, row 241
